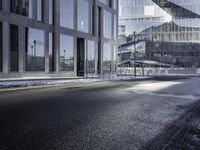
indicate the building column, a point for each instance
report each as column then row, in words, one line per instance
column 22, row 58
column 46, row 52
column 46, row 35
column 6, row 47
column 75, row 37
column 57, row 35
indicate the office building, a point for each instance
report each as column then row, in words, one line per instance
column 57, row 38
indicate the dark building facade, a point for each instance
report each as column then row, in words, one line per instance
column 57, row 38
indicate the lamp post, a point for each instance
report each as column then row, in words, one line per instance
column 64, row 59
column 32, row 56
column 35, row 43
column 135, row 73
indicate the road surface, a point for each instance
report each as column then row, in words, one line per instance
column 161, row 113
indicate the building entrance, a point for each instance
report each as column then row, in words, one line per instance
column 80, row 57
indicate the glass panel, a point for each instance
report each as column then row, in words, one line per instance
column 0, row 4
column 21, row 7
column 51, row 10
column 30, row 9
column 51, row 53
column 115, row 3
column 83, row 15
column 90, row 57
column 40, row 10
column 34, row 49
column 67, row 13
column 66, row 53
column 115, row 27
column 107, row 25
column 14, row 49
column 107, row 57
column 106, row 2
column 0, row 47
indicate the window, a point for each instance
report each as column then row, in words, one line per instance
column 66, row 53
column 115, row 27
column 1, row 4
column 22, row 7
column 35, row 50
column 107, row 26
column 90, row 57
column 14, row 49
column 40, row 10
column 51, row 53
column 106, row 2
column 0, row 47
column 115, row 4
column 107, row 57
column 51, row 11
column 83, row 15
column 67, row 13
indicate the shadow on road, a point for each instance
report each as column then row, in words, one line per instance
column 182, row 134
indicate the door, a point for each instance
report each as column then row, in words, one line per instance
column 80, row 57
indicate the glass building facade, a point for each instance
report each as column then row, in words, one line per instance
column 175, row 39
column 57, row 38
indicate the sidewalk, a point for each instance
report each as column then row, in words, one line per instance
column 32, row 82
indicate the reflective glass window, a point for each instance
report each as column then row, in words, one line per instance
column 107, row 25
column 51, row 53
column 83, row 15
column 35, row 60
column 40, row 10
column 106, row 2
column 66, row 53
column 115, row 3
column 51, row 10
column 67, row 13
column 22, row 7
column 14, row 48
column 115, row 27
column 0, row 46
column 107, row 57
column 90, row 57
column 0, row 4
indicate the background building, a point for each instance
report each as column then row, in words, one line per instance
column 137, row 15
column 57, row 37
column 174, row 42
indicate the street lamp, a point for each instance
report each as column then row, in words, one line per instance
column 34, row 42
column 135, row 73
column 32, row 56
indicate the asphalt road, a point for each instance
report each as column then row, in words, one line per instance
column 121, row 115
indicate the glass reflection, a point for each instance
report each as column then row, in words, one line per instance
column 22, row 7
column 51, row 11
column 107, row 57
column 107, row 26
column 67, row 13
column 34, row 50
column 90, row 57
column 40, row 10
column 106, row 2
column 0, row 47
column 83, row 15
column 14, row 49
column 66, row 53
column 51, row 53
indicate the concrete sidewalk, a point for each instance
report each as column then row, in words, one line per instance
column 33, row 82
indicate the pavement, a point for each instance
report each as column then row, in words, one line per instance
column 158, row 113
